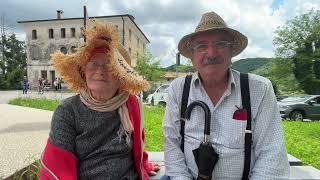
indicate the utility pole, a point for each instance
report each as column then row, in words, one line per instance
column 3, row 38
column 177, row 63
column 85, row 19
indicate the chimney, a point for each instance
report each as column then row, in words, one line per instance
column 59, row 13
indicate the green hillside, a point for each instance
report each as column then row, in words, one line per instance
column 250, row 64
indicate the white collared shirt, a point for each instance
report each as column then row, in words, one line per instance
column 269, row 157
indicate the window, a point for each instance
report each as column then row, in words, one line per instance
column 130, row 34
column 163, row 89
column 50, row 33
column 34, row 34
column 137, row 54
column 44, row 74
column 117, row 27
column 317, row 100
column 63, row 33
column 73, row 32
column 64, row 50
column 35, row 52
column 130, row 51
column 137, row 42
column 51, row 49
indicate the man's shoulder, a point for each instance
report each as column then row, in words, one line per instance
column 253, row 78
column 258, row 78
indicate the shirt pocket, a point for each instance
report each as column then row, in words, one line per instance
column 233, row 134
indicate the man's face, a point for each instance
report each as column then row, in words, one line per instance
column 211, row 52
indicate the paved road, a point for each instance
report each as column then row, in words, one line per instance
column 23, row 131
column 23, row 134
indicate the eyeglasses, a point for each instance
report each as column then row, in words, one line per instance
column 204, row 46
column 92, row 66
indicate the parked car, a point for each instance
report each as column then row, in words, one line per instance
column 279, row 98
column 159, row 96
column 300, row 107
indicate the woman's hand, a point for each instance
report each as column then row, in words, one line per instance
column 155, row 168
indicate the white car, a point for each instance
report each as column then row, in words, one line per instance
column 159, row 96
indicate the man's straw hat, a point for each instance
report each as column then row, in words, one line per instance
column 213, row 22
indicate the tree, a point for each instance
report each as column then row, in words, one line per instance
column 185, row 68
column 13, row 63
column 298, row 51
column 149, row 67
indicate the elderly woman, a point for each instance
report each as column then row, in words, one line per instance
column 98, row 133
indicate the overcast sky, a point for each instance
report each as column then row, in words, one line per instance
column 164, row 22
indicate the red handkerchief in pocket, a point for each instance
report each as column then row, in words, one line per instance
column 240, row 114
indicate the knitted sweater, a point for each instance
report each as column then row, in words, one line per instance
column 96, row 138
column 85, row 144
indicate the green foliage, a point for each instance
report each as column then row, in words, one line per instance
column 303, row 141
column 250, row 64
column 297, row 33
column 149, row 67
column 13, row 63
column 304, row 73
column 181, row 68
column 281, row 74
column 295, row 44
column 185, row 68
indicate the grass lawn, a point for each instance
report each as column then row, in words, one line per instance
column 36, row 103
column 303, row 141
column 302, row 138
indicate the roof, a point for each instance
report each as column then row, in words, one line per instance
column 93, row 17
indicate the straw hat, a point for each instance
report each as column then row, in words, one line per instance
column 99, row 35
column 211, row 22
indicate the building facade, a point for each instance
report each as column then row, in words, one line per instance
column 43, row 37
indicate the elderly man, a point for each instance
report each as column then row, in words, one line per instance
column 250, row 146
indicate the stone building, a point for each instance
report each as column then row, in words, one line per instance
column 44, row 37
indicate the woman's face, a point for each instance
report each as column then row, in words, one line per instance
column 99, row 78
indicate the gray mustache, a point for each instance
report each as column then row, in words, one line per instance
column 212, row 60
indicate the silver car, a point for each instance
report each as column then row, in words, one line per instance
column 300, row 107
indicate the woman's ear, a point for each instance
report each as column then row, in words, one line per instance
column 82, row 73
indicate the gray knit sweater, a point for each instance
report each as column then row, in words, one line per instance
column 93, row 137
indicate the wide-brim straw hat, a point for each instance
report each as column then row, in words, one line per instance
column 213, row 22
column 72, row 66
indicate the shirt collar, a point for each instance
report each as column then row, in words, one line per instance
column 231, row 81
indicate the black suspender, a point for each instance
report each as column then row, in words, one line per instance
column 245, row 95
column 184, row 104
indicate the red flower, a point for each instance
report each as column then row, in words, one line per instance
column 240, row 114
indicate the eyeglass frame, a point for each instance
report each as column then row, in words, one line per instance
column 93, row 66
column 227, row 43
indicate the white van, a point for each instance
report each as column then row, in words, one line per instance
column 159, row 96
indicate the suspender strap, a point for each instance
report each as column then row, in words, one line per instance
column 245, row 95
column 184, row 103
